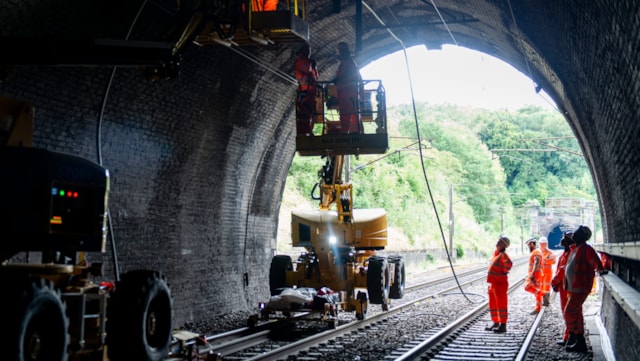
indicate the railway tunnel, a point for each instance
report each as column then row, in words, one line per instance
column 198, row 161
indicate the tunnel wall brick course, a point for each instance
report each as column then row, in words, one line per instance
column 198, row 163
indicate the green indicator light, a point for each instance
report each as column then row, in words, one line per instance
column 61, row 192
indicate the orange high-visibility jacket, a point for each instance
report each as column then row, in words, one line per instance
column 548, row 260
column 499, row 268
column 580, row 269
column 558, row 278
column 535, row 265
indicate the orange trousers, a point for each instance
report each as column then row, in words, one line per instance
column 498, row 302
column 540, row 293
column 564, row 295
column 573, row 312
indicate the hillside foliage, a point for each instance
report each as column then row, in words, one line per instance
column 476, row 169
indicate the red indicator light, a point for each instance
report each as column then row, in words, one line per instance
column 56, row 220
column 75, row 194
column 70, row 194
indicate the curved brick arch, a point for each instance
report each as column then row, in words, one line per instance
column 198, row 163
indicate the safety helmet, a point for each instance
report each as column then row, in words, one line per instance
column 543, row 240
column 530, row 240
column 583, row 233
column 506, row 240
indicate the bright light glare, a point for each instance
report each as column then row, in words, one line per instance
column 332, row 240
column 455, row 75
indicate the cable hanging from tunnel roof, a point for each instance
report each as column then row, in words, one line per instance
column 415, row 117
column 444, row 22
column 536, row 86
column 247, row 55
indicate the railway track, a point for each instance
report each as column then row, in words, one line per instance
column 315, row 341
column 466, row 339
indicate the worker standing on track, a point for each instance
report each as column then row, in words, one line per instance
column 557, row 283
column 579, row 274
column 498, row 280
column 535, row 273
column 548, row 260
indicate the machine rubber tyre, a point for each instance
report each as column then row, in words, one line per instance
column 362, row 299
column 396, row 290
column 139, row 318
column 35, row 325
column 280, row 264
column 378, row 281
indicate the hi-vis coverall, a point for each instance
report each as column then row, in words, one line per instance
column 535, row 273
column 548, row 260
column 558, row 284
column 498, row 284
column 579, row 274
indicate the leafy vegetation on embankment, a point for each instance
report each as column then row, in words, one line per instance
column 490, row 166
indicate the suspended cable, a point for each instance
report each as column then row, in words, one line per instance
column 536, row 87
column 446, row 26
column 422, row 161
column 105, row 97
column 257, row 61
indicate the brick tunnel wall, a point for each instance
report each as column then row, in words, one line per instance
column 198, row 162
column 197, row 168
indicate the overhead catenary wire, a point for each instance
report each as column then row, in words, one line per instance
column 415, row 117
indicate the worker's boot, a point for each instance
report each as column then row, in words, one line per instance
column 569, row 341
column 502, row 328
column 490, row 328
column 545, row 299
column 579, row 346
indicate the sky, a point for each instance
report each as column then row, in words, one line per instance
column 454, row 75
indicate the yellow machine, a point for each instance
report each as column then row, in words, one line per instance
column 53, row 210
column 341, row 242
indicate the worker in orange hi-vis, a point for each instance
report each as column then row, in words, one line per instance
column 548, row 260
column 557, row 282
column 307, row 76
column 265, row 5
column 498, row 280
column 347, row 82
column 579, row 273
column 535, row 273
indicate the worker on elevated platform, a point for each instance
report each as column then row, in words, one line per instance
column 307, row 76
column 347, row 81
column 498, row 280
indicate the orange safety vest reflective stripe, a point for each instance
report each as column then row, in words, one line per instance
column 535, row 264
column 499, row 268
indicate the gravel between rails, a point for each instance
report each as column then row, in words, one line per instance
column 437, row 311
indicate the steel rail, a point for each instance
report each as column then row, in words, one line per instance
column 417, row 351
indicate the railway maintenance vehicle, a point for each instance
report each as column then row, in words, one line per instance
column 340, row 261
column 54, row 206
column 56, row 307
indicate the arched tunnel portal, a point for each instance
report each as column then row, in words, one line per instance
column 198, row 162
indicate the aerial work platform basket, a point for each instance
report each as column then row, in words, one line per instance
column 328, row 138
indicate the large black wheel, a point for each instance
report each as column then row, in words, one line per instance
column 280, row 264
column 36, row 324
column 139, row 318
column 378, row 281
column 397, row 287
